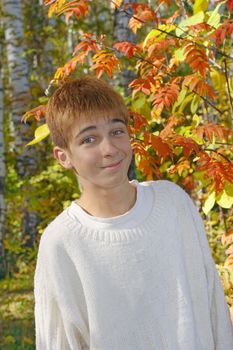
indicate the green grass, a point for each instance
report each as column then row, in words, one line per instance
column 16, row 313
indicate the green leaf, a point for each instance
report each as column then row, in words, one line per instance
column 209, row 203
column 214, row 19
column 200, row 5
column 225, row 199
column 180, row 54
column 196, row 120
column 195, row 104
column 40, row 133
column 185, row 102
column 139, row 102
column 197, row 18
column 181, row 97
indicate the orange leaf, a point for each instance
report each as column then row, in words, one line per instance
column 229, row 250
column 182, row 165
column 227, row 238
column 168, row 130
column 105, row 61
column 137, row 121
column 37, row 113
column 217, row 171
column 188, row 144
column 196, row 58
column 167, row 95
column 142, row 13
column 209, row 130
column 226, row 29
column 127, row 48
column 142, row 85
column 162, row 148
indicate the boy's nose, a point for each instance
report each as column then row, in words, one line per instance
column 108, row 147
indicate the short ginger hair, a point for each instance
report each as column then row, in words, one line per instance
column 87, row 98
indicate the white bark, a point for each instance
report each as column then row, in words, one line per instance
column 121, row 32
column 18, row 78
column 26, row 160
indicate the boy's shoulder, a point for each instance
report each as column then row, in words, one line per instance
column 57, row 229
column 166, row 186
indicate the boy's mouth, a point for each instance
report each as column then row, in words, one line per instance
column 113, row 165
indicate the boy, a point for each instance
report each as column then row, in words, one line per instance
column 127, row 266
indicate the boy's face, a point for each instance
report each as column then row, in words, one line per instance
column 100, row 152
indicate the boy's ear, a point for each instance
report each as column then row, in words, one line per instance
column 62, row 157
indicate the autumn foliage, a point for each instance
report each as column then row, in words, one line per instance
column 181, row 100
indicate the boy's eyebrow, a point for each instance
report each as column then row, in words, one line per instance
column 93, row 127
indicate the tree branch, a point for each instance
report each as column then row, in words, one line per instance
column 213, row 48
column 228, row 88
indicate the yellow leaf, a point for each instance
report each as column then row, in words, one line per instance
column 40, row 133
column 218, row 80
column 185, row 102
column 214, row 19
column 180, row 99
column 139, row 102
column 225, row 200
column 116, row 3
column 209, row 203
column 156, row 35
column 196, row 120
column 200, row 5
column 180, row 54
column 195, row 103
column 195, row 19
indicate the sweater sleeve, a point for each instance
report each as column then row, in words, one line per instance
column 59, row 318
column 220, row 315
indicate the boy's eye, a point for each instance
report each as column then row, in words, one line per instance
column 89, row 139
column 118, row 132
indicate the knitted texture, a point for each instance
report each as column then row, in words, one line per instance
column 144, row 280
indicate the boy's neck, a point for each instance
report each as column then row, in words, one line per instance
column 108, row 203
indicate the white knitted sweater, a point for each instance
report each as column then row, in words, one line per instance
column 144, row 280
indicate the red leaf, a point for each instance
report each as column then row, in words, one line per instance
column 196, row 58
column 127, row 48
column 227, row 238
column 209, row 130
column 217, row 171
column 230, row 5
column 226, row 29
column 167, row 95
column 188, row 144
column 37, row 113
column 138, row 121
column 162, row 148
column 168, row 130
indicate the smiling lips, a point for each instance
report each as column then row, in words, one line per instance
column 112, row 166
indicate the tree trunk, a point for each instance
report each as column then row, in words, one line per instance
column 26, row 160
column 121, row 32
column 2, row 180
column 18, row 76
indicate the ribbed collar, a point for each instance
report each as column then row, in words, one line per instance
column 130, row 219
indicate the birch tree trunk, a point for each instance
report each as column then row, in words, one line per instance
column 2, row 179
column 26, row 160
column 121, row 32
column 18, row 76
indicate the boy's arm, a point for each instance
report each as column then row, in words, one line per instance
column 56, row 328
column 220, row 315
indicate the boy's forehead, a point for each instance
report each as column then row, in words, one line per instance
column 98, row 121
